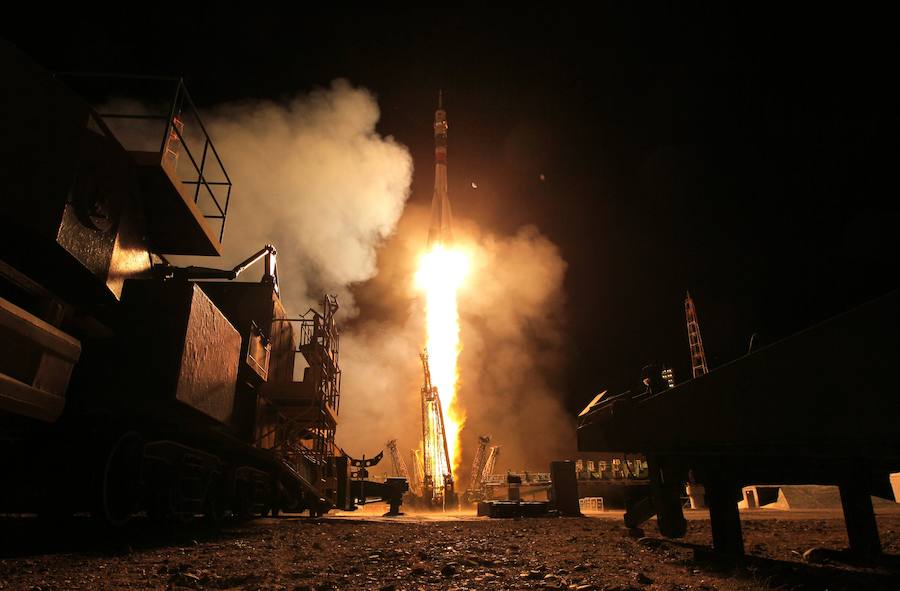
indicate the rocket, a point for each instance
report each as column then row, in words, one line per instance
column 440, row 230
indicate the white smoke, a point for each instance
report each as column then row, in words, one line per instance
column 513, row 313
column 314, row 178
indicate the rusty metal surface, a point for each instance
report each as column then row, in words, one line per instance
column 245, row 304
column 209, row 361
column 68, row 212
column 176, row 224
column 180, row 348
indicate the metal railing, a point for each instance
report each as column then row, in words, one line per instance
column 161, row 107
column 319, row 342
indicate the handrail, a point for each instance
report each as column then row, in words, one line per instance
column 179, row 103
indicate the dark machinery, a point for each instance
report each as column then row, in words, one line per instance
column 819, row 407
column 128, row 384
column 363, row 491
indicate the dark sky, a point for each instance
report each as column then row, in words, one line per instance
column 747, row 156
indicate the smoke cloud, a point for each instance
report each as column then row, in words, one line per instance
column 312, row 177
column 512, row 319
column 513, row 313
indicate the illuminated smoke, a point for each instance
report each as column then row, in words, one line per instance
column 439, row 276
column 312, row 177
column 511, row 312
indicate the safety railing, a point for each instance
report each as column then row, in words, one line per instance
column 157, row 114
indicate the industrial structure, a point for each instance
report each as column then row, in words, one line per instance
column 818, row 407
column 437, row 478
column 479, row 461
column 669, row 376
column 698, row 356
column 417, row 476
column 481, row 477
column 128, row 384
column 397, row 463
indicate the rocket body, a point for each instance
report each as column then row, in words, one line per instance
column 440, row 230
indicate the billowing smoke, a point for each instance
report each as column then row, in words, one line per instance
column 512, row 313
column 312, row 177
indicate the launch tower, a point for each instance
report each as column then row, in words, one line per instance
column 437, row 483
column 698, row 356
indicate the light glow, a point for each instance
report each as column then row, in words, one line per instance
column 440, row 274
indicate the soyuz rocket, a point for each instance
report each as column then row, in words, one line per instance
column 440, row 230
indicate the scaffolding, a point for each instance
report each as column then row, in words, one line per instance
column 482, row 470
column 164, row 129
column 437, row 480
column 320, row 346
column 397, row 463
column 302, row 415
column 417, row 476
column 479, row 462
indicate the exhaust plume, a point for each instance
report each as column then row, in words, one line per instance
column 511, row 308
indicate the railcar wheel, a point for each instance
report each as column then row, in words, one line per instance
column 214, row 507
column 120, row 480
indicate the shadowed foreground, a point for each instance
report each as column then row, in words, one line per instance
column 300, row 554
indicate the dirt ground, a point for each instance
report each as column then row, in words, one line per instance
column 441, row 552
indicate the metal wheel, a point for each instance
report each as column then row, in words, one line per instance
column 120, row 480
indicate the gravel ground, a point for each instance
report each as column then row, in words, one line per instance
column 456, row 552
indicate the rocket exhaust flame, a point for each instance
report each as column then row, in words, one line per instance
column 440, row 274
column 441, row 271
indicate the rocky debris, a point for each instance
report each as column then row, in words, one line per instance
column 417, row 571
column 816, row 555
column 651, row 542
column 189, row 580
column 634, row 532
column 464, row 555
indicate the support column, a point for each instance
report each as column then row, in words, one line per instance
column 859, row 517
column 665, row 488
column 724, row 518
column 564, row 488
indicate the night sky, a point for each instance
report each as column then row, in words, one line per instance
column 749, row 157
